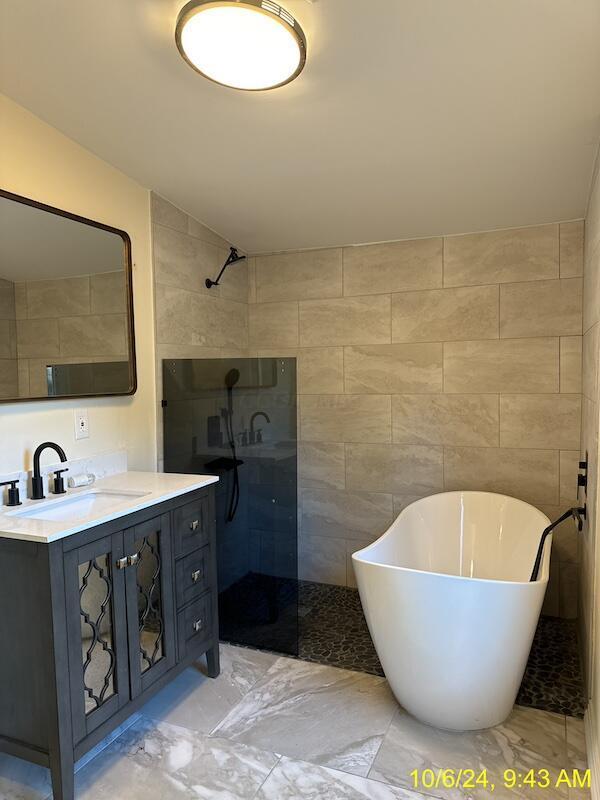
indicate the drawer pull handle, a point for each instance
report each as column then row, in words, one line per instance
column 122, row 562
column 198, row 625
column 194, row 525
column 196, row 575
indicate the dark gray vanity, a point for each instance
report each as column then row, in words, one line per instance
column 93, row 623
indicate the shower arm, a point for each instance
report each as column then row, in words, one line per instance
column 231, row 259
column 579, row 514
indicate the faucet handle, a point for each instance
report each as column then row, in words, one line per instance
column 13, row 492
column 59, row 482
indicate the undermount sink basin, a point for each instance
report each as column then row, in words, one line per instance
column 78, row 507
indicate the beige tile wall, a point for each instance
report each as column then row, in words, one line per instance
column 425, row 366
column 191, row 320
column 68, row 320
column 8, row 340
column 589, row 616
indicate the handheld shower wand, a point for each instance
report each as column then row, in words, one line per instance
column 231, row 379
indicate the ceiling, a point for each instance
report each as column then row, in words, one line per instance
column 411, row 118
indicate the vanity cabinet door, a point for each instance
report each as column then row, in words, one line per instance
column 96, row 632
column 150, row 610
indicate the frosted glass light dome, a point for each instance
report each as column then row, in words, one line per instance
column 250, row 44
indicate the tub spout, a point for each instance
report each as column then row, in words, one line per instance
column 578, row 514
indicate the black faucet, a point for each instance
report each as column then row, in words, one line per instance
column 257, row 436
column 37, row 484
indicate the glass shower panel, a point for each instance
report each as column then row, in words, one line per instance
column 236, row 418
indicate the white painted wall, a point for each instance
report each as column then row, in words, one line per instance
column 37, row 161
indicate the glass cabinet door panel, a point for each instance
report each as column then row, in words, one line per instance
column 149, row 601
column 150, row 615
column 96, row 609
column 97, row 632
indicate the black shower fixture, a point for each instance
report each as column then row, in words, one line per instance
column 231, row 259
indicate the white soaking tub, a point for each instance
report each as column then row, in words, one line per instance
column 447, row 596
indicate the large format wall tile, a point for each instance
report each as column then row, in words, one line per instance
column 569, row 470
column 166, row 213
column 541, row 308
column 8, row 338
column 521, row 254
column 100, row 335
column 591, row 353
column 321, row 559
column 345, row 418
column 183, row 261
column 360, row 515
column 7, row 299
column 312, row 274
column 570, row 364
column 571, row 249
column 321, row 465
column 273, row 323
column 461, row 419
column 393, row 267
column 321, row 370
column 395, row 468
column 531, row 475
column 540, row 420
column 393, row 368
column 37, row 338
column 201, row 231
column 9, row 381
column 58, row 298
column 187, row 318
column 108, row 293
column 350, row 320
column 443, row 315
column 502, row 365
column 591, row 285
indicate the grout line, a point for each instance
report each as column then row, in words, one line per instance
column 276, row 764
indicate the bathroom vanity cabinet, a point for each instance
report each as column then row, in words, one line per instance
column 94, row 623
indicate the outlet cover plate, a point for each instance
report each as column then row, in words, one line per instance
column 82, row 423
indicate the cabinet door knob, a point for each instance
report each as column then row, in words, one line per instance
column 122, row 562
column 198, row 625
column 194, row 525
column 196, row 575
column 133, row 559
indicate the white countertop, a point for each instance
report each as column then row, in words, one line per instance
column 156, row 486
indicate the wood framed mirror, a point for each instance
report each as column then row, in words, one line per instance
column 66, row 305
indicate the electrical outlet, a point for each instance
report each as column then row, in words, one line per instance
column 82, row 423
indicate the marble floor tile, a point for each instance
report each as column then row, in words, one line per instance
column 328, row 716
column 529, row 739
column 199, row 703
column 20, row 780
column 295, row 780
column 156, row 761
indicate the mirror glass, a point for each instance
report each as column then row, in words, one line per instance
column 66, row 327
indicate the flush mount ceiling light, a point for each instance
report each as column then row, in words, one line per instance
column 244, row 44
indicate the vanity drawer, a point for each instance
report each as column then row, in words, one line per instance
column 194, row 625
column 191, row 526
column 192, row 575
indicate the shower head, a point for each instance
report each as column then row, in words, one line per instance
column 232, row 378
column 232, row 258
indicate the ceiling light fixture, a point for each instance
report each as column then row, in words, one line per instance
column 243, row 44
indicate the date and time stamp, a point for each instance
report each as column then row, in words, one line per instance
column 466, row 779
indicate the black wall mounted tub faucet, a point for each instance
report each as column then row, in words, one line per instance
column 37, row 483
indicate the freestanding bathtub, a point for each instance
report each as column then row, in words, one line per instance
column 450, row 607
